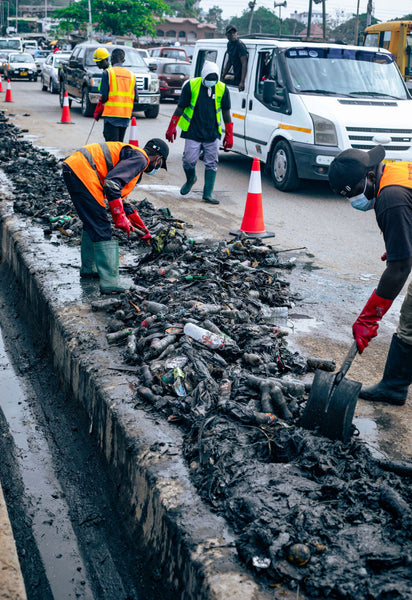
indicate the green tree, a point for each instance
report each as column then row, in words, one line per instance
column 119, row 17
column 183, row 8
column 346, row 31
column 266, row 21
column 214, row 15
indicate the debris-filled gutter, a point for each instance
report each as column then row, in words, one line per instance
column 196, row 402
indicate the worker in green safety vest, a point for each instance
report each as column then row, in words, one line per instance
column 203, row 103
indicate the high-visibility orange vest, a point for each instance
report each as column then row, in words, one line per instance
column 396, row 173
column 121, row 93
column 92, row 163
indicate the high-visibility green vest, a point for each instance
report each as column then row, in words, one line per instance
column 186, row 118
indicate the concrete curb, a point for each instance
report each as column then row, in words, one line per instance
column 11, row 578
column 192, row 548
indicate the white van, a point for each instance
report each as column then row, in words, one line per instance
column 304, row 102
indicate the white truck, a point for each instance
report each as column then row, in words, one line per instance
column 304, row 103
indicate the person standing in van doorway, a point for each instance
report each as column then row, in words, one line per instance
column 204, row 99
column 118, row 93
column 237, row 58
column 368, row 184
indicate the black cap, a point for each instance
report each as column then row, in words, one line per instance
column 230, row 28
column 158, row 146
column 351, row 166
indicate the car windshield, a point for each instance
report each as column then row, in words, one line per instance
column 132, row 57
column 177, row 69
column 344, row 72
column 10, row 44
column 21, row 58
column 173, row 53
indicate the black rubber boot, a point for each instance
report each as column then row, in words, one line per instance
column 190, row 181
column 107, row 262
column 397, row 376
column 210, row 177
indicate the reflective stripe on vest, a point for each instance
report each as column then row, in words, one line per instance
column 121, row 93
column 92, row 163
column 186, row 118
column 397, row 173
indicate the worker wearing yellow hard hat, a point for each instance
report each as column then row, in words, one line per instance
column 101, row 58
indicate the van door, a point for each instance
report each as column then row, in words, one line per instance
column 238, row 100
column 265, row 110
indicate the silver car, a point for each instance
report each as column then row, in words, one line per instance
column 50, row 71
column 40, row 57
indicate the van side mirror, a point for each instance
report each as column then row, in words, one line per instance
column 269, row 93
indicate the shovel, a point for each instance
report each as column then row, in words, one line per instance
column 332, row 401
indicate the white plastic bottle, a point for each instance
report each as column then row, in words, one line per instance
column 204, row 336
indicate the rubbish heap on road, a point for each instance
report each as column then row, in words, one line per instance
column 204, row 341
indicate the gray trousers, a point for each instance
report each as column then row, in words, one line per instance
column 192, row 152
column 404, row 330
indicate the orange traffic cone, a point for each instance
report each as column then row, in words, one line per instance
column 8, row 97
column 66, row 110
column 133, row 133
column 1, row 85
column 252, row 224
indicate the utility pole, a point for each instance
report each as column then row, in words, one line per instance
column 90, row 26
column 357, row 25
column 309, row 19
column 369, row 9
column 252, row 5
column 280, row 4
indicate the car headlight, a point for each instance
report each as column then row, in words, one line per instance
column 154, row 85
column 324, row 131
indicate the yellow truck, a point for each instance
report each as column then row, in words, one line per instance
column 395, row 36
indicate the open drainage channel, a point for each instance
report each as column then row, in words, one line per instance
column 71, row 541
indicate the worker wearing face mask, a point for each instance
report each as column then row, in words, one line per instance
column 204, row 100
column 109, row 171
column 369, row 184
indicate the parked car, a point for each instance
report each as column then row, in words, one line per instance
column 80, row 78
column 3, row 60
column 173, row 52
column 20, row 65
column 50, row 71
column 172, row 76
column 40, row 57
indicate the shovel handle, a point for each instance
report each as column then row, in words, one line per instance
column 346, row 363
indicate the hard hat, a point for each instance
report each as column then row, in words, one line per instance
column 100, row 54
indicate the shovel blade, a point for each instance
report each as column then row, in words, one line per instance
column 330, row 408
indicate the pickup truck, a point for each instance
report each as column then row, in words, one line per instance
column 80, row 78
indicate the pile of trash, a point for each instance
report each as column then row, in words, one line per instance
column 204, row 330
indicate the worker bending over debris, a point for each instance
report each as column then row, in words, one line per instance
column 368, row 183
column 108, row 171
column 204, row 99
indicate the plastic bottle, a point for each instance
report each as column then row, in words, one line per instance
column 204, row 336
column 154, row 307
column 280, row 315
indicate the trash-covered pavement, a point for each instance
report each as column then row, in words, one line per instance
column 203, row 334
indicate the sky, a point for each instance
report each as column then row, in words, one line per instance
column 383, row 9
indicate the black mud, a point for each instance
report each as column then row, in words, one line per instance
column 318, row 515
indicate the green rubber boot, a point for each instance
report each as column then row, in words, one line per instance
column 107, row 262
column 397, row 376
column 88, row 264
column 210, row 177
column 190, row 181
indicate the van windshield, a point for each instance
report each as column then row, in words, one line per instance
column 9, row 44
column 344, row 72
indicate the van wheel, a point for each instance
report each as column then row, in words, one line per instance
column 152, row 112
column 283, row 168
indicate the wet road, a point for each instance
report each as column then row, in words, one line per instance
column 335, row 274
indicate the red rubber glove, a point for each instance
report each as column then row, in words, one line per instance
column 384, row 257
column 228, row 139
column 119, row 217
column 171, row 130
column 98, row 111
column 139, row 226
column 366, row 325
